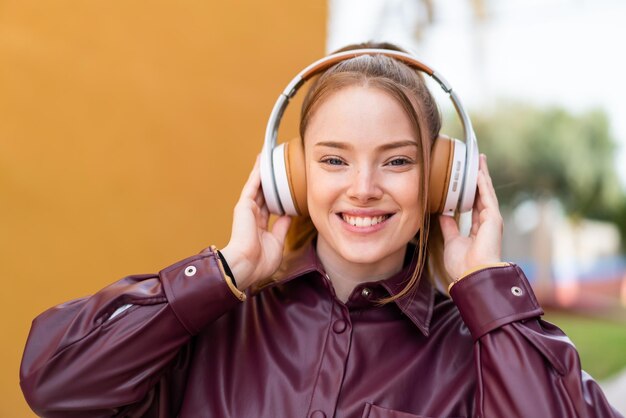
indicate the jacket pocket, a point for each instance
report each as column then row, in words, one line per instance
column 374, row 411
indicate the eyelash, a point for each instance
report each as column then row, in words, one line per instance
column 405, row 161
column 328, row 160
column 332, row 161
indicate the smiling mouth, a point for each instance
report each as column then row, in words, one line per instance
column 364, row 221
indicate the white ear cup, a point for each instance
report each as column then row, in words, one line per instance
column 267, row 182
column 455, row 183
column 469, row 183
column 281, row 180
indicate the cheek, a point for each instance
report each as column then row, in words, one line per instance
column 407, row 195
column 410, row 194
column 314, row 188
column 404, row 186
column 321, row 188
column 319, row 199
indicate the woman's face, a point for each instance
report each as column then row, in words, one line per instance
column 361, row 156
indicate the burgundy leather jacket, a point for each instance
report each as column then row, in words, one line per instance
column 181, row 344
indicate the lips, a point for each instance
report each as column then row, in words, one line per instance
column 364, row 221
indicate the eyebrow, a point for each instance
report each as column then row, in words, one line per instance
column 384, row 147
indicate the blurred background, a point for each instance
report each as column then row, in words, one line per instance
column 128, row 128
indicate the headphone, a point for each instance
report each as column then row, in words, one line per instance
column 453, row 168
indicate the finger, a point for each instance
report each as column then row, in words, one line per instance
column 489, row 210
column 280, row 228
column 264, row 212
column 264, row 216
column 449, row 228
column 479, row 204
column 475, row 221
column 253, row 184
column 483, row 165
column 259, row 199
column 487, row 175
column 484, row 199
column 486, row 193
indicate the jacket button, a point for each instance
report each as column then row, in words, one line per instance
column 339, row 326
column 366, row 292
column 317, row 414
column 190, row 271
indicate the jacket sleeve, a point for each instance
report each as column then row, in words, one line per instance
column 526, row 367
column 107, row 354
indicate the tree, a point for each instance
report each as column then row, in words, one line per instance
column 537, row 152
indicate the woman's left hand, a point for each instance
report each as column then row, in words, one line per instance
column 483, row 246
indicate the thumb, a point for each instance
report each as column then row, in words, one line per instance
column 280, row 228
column 449, row 228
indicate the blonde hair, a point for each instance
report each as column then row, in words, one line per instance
column 405, row 85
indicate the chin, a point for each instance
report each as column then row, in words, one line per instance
column 366, row 253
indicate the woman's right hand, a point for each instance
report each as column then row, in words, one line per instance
column 254, row 252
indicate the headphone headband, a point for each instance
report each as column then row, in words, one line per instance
column 321, row 65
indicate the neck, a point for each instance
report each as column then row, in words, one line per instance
column 346, row 275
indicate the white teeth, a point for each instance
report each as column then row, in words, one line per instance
column 363, row 221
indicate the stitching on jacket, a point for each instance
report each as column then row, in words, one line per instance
column 330, row 322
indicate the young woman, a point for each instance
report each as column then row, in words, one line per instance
column 351, row 321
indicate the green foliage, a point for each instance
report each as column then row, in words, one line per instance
column 534, row 152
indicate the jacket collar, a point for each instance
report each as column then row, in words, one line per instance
column 417, row 305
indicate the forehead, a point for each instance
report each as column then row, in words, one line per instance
column 360, row 115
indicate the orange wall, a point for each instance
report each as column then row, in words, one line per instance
column 126, row 131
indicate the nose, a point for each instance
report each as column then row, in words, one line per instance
column 364, row 185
